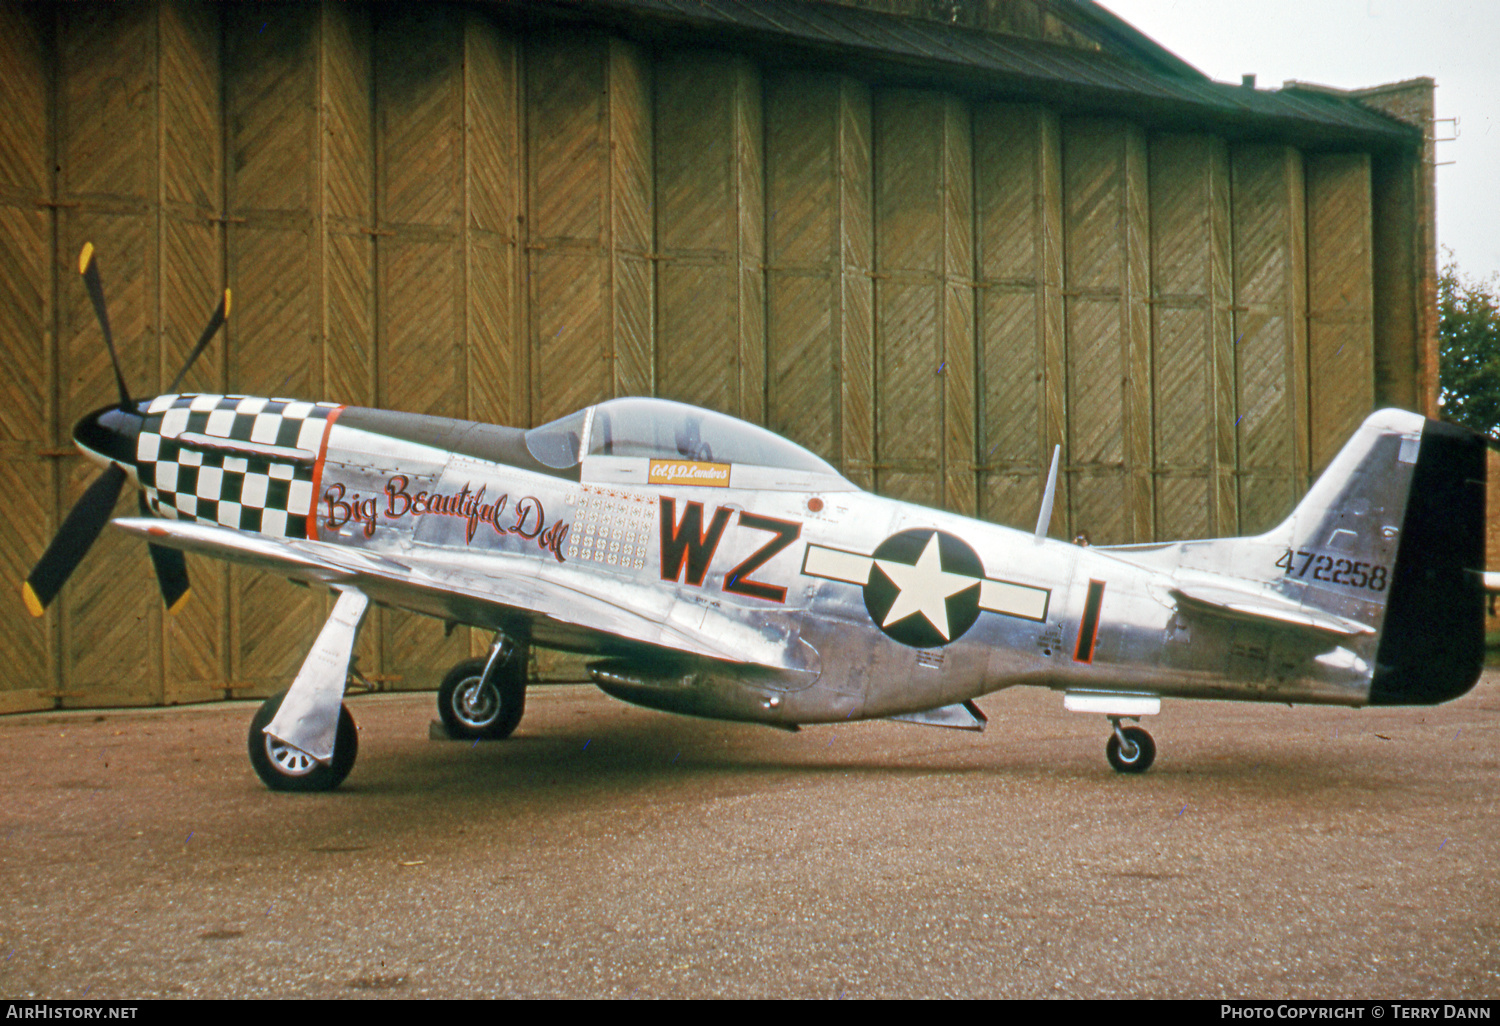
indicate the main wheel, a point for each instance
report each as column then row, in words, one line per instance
column 473, row 709
column 284, row 768
column 1140, row 760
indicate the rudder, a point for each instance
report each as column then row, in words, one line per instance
column 1432, row 646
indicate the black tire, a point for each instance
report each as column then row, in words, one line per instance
column 284, row 768
column 1145, row 751
column 491, row 711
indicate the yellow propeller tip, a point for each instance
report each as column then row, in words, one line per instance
column 227, row 299
column 33, row 604
column 181, row 601
column 85, row 257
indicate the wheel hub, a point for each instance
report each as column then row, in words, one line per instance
column 477, row 703
column 293, row 762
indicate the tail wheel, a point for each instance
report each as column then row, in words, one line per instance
column 1134, row 756
column 284, row 768
column 472, row 707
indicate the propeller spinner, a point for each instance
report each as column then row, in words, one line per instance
column 108, row 437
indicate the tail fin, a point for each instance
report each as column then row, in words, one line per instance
column 1386, row 550
column 1403, row 507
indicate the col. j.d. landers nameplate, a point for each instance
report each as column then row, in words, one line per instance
column 711, row 475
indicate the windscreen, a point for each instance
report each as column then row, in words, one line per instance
column 557, row 442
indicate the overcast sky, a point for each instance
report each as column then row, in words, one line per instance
column 1351, row 44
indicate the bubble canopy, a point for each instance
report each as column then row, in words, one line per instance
column 662, row 429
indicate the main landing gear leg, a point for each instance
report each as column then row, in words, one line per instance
column 304, row 738
column 484, row 698
column 1130, row 749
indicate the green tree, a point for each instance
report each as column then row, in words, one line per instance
column 1469, row 350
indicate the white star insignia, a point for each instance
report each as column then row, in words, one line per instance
column 924, row 588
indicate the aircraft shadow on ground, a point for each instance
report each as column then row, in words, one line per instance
column 643, row 755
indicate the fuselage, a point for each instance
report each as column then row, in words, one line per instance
column 852, row 604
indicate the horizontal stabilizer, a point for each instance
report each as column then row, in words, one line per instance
column 960, row 716
column 1260, row 605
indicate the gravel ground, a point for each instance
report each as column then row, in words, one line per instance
column 609, row 851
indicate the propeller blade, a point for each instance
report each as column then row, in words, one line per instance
column 100, row 433
column 74, row 537
column 170, row 565
column 89, row 268
column 221, row 314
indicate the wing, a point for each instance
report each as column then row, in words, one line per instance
column 565, row 605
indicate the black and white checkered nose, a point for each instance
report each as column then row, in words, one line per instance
column 109, row 435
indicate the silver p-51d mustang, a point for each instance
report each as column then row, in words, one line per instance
column 716, row 569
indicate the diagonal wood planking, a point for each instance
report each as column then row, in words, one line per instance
column 802, row 380
column 1270, row 331
column 28, row 36
column 818, row 345
column 420, row 93
column 1192, row 359
column 960, row 479
column 347, row 214
column 923, row 206
column 29, row 479
column 1018, row 268
column 272, row 86
column 25, row 301
column 569, row 289
column 588, row 177
column 710, row 231
column 857, row 267
column 750, row 232
column 1106, row 267
column 108, row 160
column 190, row 100
column 567, row 78
column 631, row 306
column 1340, row 332
column 1405, row 330
column 567, row 173
column 494, row 190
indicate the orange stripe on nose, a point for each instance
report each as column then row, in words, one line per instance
column 317, row 479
